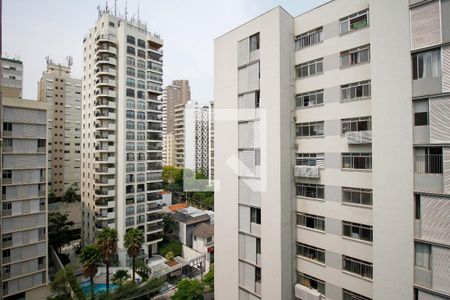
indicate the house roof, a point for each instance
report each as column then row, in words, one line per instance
column 204, row 230
column 178, row 206
column 190, row 215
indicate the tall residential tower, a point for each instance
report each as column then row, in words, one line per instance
column 121, row 131
column 334, row 175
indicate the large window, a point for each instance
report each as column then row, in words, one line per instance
column 311, row 221
column 426, row 64
column 255, row 215
column 141, row 53
column 360, row 161
column 141, row 64
column 356, row 124
column 357, row 266
column 356, row 90
column 130, row 114
column 130, row 71
column 309, row 129
column 131, row 50
column 130, row 92
column 309, row 99
column 423, row 254
column 355, row 56
column 357, row 231
column 130, row 135
column 141, row 84
column 141, row 43
column 130, row 103
column 309, row 68
column 357, row 196
column 355, row 21
column 131, row 82
column 310, row 190
column 254, row 42
column 131, row 39
column 311, row 282
column 130, row 61
column 309, row 38
column 311, row 252
column 141, row 74
column 309, row 159
column 347, row 295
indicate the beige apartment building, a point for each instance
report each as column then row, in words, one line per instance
column 121, row 151
column 62, row 93
column 174, row 97
column 23, row 226
column 333, row 178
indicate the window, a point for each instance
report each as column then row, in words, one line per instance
column 421, row 118
column 140, row 95
column 360, row 161
column 258, row 246
column 357, row 231
column 129, row 210
column 7, row 126
column 311, row 221
column 426, row 64
column 311, row 282
column 140, row 167
column 131, row 40
column 141, row 84
column 309, row 68
column 355, row 21
column 141, row 53
column 130, row 156
column 130, row 103
column 347, row 295
column 357, row 196
column 356, row 90
column 309, row 129
column 357, row 266
column 131, row 72
column 141, row 74
column 131, row 82
column 130, row 168
column 129, row 221
column 258, row 274
column 309, row 159
column 130, row 146
column 313, row 98
column 422, row 256
column 309, row 38
column 130, row 61
column 311, row 252
column 131, row 50
column 140, row 146
column 130, row 114
column 141, row 43
column 417, row 210
column 140, row 105
column 141, row 64
column 111, row 24
column 254, row 42
column 130, row 92
column 308, row 190
column 130, row 135
column 140, row 136
column 140, row 125
column 428, row 160
column 355, row 56
column 255, row 215
column 356, row 124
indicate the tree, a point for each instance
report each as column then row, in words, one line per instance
column 64, row 282
column 120, row 277
column 173, row 181
column 59, row 230
column 142, row 269
column 71, row 194
column 170, row 255
column 209, row 278
column 189, row 289
column 169, row 225
column 51, row 197
column 90, row 257
column 134, row 238
column 107, row 243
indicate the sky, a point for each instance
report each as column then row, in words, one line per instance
column 34, row 29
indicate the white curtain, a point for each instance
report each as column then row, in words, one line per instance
column 423, row 255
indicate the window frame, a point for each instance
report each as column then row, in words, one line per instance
column 319, row 221
column 301, row 127
column 354, row 163
column 308, row 190
column 353, row 191
column 357, row 124
column 314, row 98
column 354, row 56
column 310, row 252
column 365, row 267
column 364, row 88
column 309, row 36
column 299, row 69
column 349, row 18
column 312, row 282
column 349, row 228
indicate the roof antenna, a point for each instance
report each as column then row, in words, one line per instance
column 107, row 11
column 126, row 11
column 115, row 8
column 138, row 13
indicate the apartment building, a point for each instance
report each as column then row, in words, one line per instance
column 62, row 93
column 197, row 137
column 121, row 147
column 174, row 95
column 23, row 226
column 211, row 142
column 333, row 173
column 11, row 77
column 178, row 136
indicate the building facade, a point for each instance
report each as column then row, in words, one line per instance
column 121, row 131
column 11, row 77
column 62, row 93
column 175, row 96
column 341, row 138
column 24, row 244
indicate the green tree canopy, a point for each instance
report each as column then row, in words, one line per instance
column 189, row 289
column 60, row 230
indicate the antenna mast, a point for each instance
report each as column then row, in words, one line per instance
column 115, row 8
column 126, row 11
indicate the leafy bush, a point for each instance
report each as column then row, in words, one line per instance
column 170, row 246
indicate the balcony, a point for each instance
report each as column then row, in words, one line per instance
column 154, row 237
column 105, row 136
column 428, row 173
column 154, row 196
column 105, row 93
column 106, row 159
column 157, row 217
column 105, row 82
column 100, row 114
column 154, row 227
column 154, row 126
column 106, row 60
column 154, row 146
column 154, row 207
column 105, row 37
column 105, row 71
column 105, row 193
column 154, row 177
column 153, row 156
column 106, row 170
column 105, row 147
column 303, row 292
column 103, row 103
column 307, row 172
column 358, row 137
column 105, row 181
column 105, row 49
column 105, row 126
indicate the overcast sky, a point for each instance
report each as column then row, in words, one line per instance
column 34, row 29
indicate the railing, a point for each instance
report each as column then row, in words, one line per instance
column 154, row 196
column 154, row 237
column 307, row 171
column 154, row 217
column 428, row 164
column 154, row 147
column 359, row 137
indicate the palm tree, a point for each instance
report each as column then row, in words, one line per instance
column 90, row 257
column 134, row 238
column 107, row 243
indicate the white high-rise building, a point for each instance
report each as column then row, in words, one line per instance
column 335, row 181
column 121, row 131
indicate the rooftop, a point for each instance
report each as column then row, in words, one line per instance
column 191, row 215
column 204, row 230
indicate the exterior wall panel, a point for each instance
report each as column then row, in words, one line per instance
column 425, row 25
